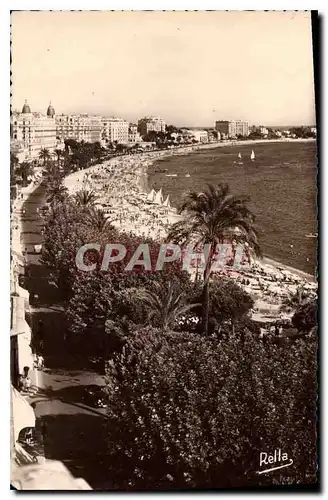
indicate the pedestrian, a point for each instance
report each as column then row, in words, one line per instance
column 26, row 381
column 40, row 362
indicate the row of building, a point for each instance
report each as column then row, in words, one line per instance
column 32, row 132
column 231, row 129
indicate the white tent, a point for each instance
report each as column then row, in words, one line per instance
column 151, row 195
column 167, row 202
column 159, row 197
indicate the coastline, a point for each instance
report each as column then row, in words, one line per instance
column 138, row 165
column 289, row 246
column 268, row 261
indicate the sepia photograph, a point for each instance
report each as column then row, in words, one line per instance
column 164, row 250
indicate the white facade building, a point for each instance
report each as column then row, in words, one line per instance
column 134, row 135
column 199, row 135
column 114, row 130
column 151, row 124
column 32, row 132
column 80, row 127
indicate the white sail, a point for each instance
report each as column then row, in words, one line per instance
column 151, row 195
column 253, row 155
column 239, row 155
column 159, row 197
column 167, row 202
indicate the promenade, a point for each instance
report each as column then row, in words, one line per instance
column 72, row 432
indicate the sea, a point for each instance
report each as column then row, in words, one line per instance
column 281, row 183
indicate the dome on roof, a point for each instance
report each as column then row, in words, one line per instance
column 26, row 108
column 50, row 110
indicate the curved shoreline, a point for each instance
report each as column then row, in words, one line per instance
column 213, row 167
column 139, row 165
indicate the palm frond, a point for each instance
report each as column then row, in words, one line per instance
column 164, row 305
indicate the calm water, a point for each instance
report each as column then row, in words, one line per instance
column 281, row 183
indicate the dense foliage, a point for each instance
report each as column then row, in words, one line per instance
column 305, row 317
column 187, row 411
column 228, row 302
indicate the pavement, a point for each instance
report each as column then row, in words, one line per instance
column 72, row 432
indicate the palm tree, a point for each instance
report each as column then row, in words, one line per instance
column 57, row 193
column 210, row 218
column 164, row 306
column 14, row 162
column 85, row 197
column 24, row 170
column 98, row 219
column 44, row 155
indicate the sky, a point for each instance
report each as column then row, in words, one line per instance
column 191, row 68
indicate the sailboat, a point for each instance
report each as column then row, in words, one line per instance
column 151, row 195
column 311, row 235
column 159, row 197
column 167, row 202
column 253, row 155
column 239, row 156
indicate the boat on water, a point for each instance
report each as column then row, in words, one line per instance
column 252, row 155
column 171, row 175
column 187, row 175
column 311, row 235
column 239, row 156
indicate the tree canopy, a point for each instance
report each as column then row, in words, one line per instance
column 187, row 411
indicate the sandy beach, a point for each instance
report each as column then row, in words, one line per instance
column 121, row 186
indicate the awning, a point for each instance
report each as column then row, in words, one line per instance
column 23, row 293
column 18, row 322
column 22, row 413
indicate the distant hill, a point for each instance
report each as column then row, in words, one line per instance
column 286, row 127
column 275, row 127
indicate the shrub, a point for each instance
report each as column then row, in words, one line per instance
column 305, row 317
column 228, row 302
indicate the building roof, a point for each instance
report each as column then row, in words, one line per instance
column 26, row 108
column 50, row 110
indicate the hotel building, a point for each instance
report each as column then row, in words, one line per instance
column 80, row 127
column 114, row 130
column 134, row 135
column 263, row 130
column 232, row 128
column 199, row 135
column 31, row 132
column 151, row 124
